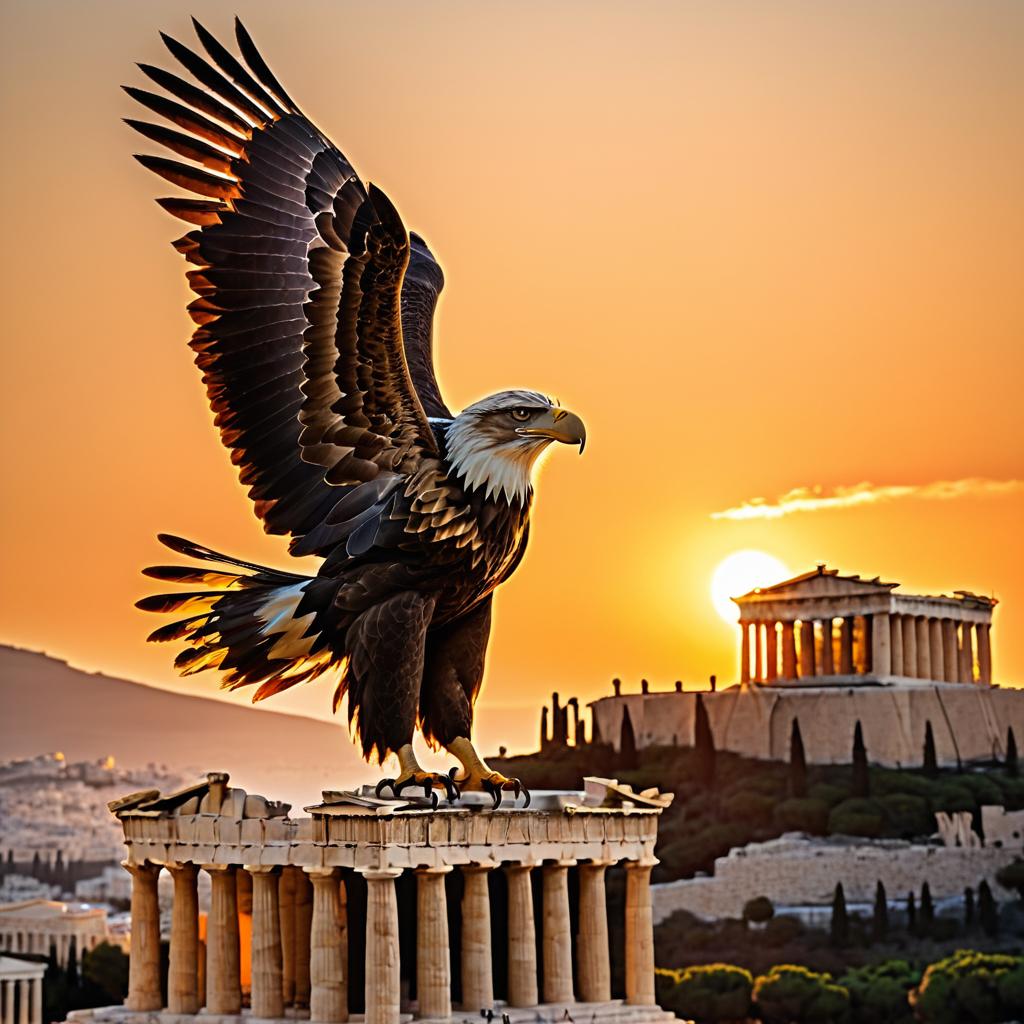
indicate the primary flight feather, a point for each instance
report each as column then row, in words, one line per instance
column 314, row 335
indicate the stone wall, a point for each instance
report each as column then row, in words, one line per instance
column 969, row 723
column 798, row 870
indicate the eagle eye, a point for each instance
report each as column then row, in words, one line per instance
column 520, row 414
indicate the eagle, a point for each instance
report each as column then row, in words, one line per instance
column 314, row 334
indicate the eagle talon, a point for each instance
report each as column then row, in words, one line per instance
column 385, row 784
column 429, row 782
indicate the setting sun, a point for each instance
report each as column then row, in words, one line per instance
column 740, row 573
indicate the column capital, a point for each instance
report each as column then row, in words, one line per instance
column 181, row 867
column 380, row 874
column 481, row 865
column 598, row 862
column 139, row 869
column 512, row 867
column 322, row 872
column 643, row 864
column 434, row 869
column 219, row 869
column 262, row 869
column 563, row 862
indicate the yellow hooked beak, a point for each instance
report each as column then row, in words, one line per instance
column 559, row 425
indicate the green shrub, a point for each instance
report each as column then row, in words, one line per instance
column 878, row 993
column 752, row 809
column 828, row 794
column 780, row 931
column 950, row 797
column 969, row 986
column 758, row 910
column 984, row 789
column 802, row 816
column 712, row 993
column 907, row 816
column 789, row 994
column 856, row 817
column 885, row 781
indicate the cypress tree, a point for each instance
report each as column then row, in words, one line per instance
column 839, row 929
column 1011, row 753
column 861, row 786
column 627, row 743
column 931, row 763
column 703, row 745
column 71, row 968
column 988, row 912
column 927, row 916
column 797, row 762
column 911, row 914
column 880, row 915
column 968, row 907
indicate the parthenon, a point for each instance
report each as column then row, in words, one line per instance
column 789, row 634
column 316, row 881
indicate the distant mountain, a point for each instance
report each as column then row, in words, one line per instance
column 46, row 705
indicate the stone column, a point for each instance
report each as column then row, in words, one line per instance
column 183, row 970
column 595, row 976
column 744, row 652
column 924, row 650
column 967, row 652
column 788, row 651
column 827, row 662
column 267, row 971
column 522, row 938
column 772, row 640
column 23, row 998
column 758, row 653
column 383, row 979
column 328, row 958
column 286, row 907
column 303, row 928
column 639, row 934
column 807, row 668
column 223, row 953
column 144, row 961
column 7, row 995
column 881, row 654
column 557, row 928
column 846, row 646
column 909, row 646
column 935, row 646
column 950, row 652
column 477, row 972
column 37, row 1001
column 984, row 653
column 896, row 643
column 433, row 956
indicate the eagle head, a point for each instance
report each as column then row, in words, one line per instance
column 493, row 443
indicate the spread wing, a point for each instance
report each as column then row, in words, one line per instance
column 314, row 309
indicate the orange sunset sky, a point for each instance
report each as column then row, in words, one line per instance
column 758, row 247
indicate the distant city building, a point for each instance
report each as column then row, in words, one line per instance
column 33, row 926
column 21, row 990
column 832, row 651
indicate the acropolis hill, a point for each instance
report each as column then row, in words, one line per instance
column 831, row 651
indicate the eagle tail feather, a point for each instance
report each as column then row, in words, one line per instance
column 259, row 626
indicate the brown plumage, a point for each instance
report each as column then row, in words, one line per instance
column 314, row 311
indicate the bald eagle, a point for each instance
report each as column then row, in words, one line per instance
column 314, row 316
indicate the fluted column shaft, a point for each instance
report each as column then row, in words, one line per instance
column 383, row 979
column 806, row 649
column 827, row 662
column 303, row 929
column 924, row 650
column 639, row 934
column 477, row 969
column 935, row 644
column 909, row 624
column 286, row 908
column 328, row 958
column 522, row 938
column 183, row 970
column 881, row 653
column 984, row 653
column 758, row 653
column 223, row 953
column 788, row 650
column 557, row 934
column 23, row 998
column 7, row 992
column 896, row 644
column 267, row 959
column 950, row 652
column 433, row 956
column 144, row 961
column 846, row 646
column 772, row 649
column 966, row 652
column 37, row 1001
column 744, row 652
column 592, row 939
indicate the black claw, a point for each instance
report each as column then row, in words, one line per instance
column 451, row 789
column 526, row 797
column 516, row 788
column 433, row 798
column 384, row 784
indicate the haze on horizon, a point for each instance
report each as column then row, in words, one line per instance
column 771, row 254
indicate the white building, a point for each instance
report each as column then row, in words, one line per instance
column 33, row 926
